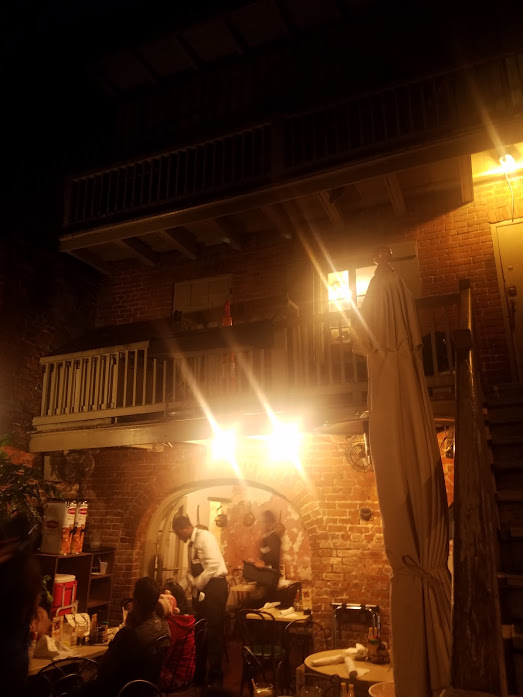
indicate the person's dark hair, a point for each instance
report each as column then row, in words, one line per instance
column 146, row 594
column 181, row 522
column 181, row 599
column 269, row 516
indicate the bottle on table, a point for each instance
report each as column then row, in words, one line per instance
column 93, row 631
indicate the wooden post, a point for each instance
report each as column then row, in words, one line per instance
column 477, row 644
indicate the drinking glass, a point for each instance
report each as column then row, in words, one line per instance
column 312, row 691
column 263, row 689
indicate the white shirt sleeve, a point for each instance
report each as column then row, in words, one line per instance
column 207, row 552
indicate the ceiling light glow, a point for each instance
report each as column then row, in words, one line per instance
column 223, row 446
column 284, row 443
column 508, row 163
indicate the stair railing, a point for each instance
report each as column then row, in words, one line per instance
column 477, row 663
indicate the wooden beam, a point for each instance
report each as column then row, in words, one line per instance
column 194, row 59
column 228, row 232
column 91, row 259
column 236, row 35
column 328, row 202
column 183, row 241
column 395, row 193
column 140, row 250
column 465, row 178
column 280, row 219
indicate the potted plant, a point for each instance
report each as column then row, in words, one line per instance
column 23, row 490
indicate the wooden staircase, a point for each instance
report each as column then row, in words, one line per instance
column 505, row 436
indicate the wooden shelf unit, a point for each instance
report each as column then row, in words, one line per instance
column 94, row 591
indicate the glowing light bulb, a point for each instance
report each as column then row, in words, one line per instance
column 508, row 163
column 223, row 446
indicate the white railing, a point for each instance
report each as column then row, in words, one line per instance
column 303, row 355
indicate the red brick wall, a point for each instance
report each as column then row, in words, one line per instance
column 347, row 555
column 46, row 300
column 454, row 241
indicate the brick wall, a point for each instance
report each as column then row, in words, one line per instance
column 454, row 241
column 46, row 300
column 348, row 561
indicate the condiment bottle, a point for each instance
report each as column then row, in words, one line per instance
column 93, row 632
column 372, row 646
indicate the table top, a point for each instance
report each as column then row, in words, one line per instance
column 247, row 587
column 275, row 612
column 89, row 651
column 377, row 672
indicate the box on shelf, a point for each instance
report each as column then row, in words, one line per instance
column 79, row 528
column 57, row 528
column 64, row 594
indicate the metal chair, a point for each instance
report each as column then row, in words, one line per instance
column 316, row 685
column 252, row 670
column 287, row 594
column 200, row 641
column 178, row 668
column 259, row 633
column 140, row 688
column 59, row 676
column 301, row 638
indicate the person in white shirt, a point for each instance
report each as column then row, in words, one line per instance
column 207, row 576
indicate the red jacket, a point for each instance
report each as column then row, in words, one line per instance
column 178, row 666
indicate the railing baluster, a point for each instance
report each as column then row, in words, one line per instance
column 153, row 399
column 144, row 381
column 45, row 390
column 125, row 377
column 135, row 376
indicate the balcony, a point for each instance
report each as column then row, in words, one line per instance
column 135, row 392
column 439, row 107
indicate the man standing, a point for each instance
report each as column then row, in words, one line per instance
column 207, row 575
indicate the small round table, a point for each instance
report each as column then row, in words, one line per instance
column 376, row 672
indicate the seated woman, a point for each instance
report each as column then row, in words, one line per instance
column 138, row 649
column 178, row 665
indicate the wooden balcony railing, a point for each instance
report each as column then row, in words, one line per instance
column 403, row 115
column 297, row 357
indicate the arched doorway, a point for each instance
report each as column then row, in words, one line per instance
column 165, row 557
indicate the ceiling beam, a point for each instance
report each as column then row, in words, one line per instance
column 228, row 232
column 194, row 59
column 393, row 186
column 281, row 220
column 465, row 178
column 183, row 241
column 91, row 259
column 328, row 201
column 239, row 40
column 140, row 250
column 290, row 27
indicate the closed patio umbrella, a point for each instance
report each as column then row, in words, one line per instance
column 410, row 484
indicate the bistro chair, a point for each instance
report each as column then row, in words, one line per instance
column 200, row 642
column 301, row 638
column 287, row 595
column 140, row 688
column 260, row 634
column 316, row 685
column 51, row 679
column 179, row 674
column 252, row 670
